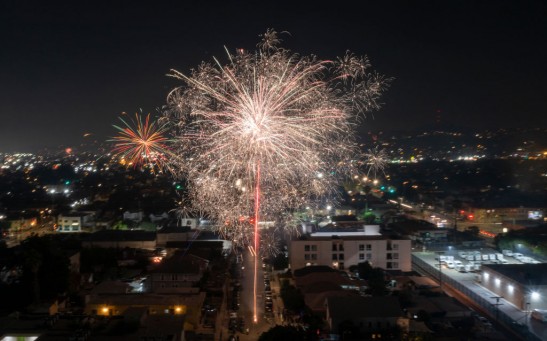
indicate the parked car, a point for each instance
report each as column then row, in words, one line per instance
column 507, row 253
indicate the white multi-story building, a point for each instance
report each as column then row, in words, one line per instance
column 341, row 250
column 73, row 222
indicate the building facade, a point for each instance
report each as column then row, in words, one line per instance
column 73, row 222
column 341, row 251
column 524, row 285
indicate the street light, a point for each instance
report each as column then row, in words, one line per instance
column 439, row 253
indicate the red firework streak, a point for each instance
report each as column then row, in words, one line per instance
column 257, row 237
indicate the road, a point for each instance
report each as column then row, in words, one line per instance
column 247, row 302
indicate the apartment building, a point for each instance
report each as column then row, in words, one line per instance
column 341, row 250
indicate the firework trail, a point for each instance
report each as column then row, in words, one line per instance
column 268, row 130
column 141, row 141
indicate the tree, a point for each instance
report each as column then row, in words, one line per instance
column 33, row 261
column 292, row 297
column 280, row 262
column 374, row 277
column 474, row 230
column 285, row 333
column 47, row 267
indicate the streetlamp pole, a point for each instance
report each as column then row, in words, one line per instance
column 497, row 304
column 439, row 253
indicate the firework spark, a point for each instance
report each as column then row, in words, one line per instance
column 376, row 162
column 268, row 130
column 141, row 141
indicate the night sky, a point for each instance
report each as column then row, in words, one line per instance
column 70, row 68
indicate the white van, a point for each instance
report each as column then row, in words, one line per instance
column 518, row 256
column 507, row 253
column 540, row 315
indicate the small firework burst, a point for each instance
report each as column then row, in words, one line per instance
column 141, row 141
column 376, row 162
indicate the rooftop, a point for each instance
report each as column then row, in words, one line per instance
column 526, row 274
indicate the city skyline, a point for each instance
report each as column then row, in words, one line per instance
column 69, row 70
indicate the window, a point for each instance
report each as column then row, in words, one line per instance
column 340, row 247
column 389, row 256
column 361, row 247
column 334, row 256
column 395, row 265
column 369, row 247
column 334, row 247
column 389, row 265
column 341, row 266
column 395, row 256
column 361, row 256
column 395, row 246
column 306, row 257
column 313, row 256
column 314, row 247
column 341, row 256
column 306, row 248
column 369, row 256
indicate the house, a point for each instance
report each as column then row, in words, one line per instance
column 134, row 216
column 74, row 222
column 318, row 283
column 174, row 234
column 370, row 315
column 113, row 298
column 120, row 239
column 178, row 273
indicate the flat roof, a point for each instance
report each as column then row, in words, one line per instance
column 525, row 274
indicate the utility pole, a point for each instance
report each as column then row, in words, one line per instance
column 497, row 304
column 439, row 253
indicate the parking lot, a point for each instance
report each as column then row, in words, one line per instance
column 466, row 280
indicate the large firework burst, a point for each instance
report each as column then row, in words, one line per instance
column 141, row 141
column 285, row 118
column 267, row 131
